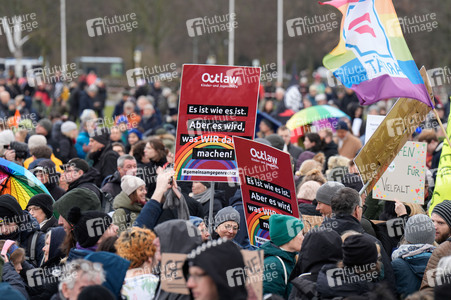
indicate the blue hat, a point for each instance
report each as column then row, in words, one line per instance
column 342, row 125
column 137, row 132
column 195, row 220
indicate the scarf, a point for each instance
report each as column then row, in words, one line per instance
column 409, row 250
column 173, row 202
column 202, row 197
column 92, row 248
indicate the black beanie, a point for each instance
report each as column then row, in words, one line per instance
column 96, row 292
column 218, row 258
column 44, row 202
column 359, row 250
column 10, row 209
column 443, row 209
column 89, row 226
column 101, row 135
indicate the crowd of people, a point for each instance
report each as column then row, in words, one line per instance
column 113, row 207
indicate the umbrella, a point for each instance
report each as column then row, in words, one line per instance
column 313, row 114
column 17, row 181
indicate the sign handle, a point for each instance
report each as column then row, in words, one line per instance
column 210, row 213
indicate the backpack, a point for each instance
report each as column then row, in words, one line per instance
column 106, row 200
column 32, row 248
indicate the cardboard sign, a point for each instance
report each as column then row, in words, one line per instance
column 388, row 139
column 267, row 186
column 172, row 279
column 372, row 122
column 216, row 102
column 404, row 178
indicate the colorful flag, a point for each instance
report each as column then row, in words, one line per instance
column 372, row 57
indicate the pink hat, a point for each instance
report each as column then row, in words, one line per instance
column 308, row 190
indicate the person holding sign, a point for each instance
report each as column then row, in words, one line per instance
column 280, row 253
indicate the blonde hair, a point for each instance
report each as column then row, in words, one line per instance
column 307, row 166
column 337, row 161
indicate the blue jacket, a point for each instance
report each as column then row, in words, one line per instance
column 82, row 139
column 409, row 272
column 149, row 215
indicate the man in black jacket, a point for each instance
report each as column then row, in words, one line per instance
column 78, row 174
column 102, row 154
column 126, row 165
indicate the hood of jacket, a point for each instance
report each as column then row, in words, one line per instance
column 90, row 176
column 270, row 249
column 123, row 201
column 27, row 227
column 178, row 236
column 327, row 250
column 236, row 198
column 115, row 178
column 115, row 268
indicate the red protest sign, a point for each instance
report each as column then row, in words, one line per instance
column 216, row 102
column 267, row 186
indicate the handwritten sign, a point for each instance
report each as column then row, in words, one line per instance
column 372, row 122
column 404, row 178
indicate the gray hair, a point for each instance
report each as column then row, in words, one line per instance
column 123, row 158
column 77, row 269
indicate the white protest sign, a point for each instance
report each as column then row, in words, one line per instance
column 404, row 178
column 372, row 122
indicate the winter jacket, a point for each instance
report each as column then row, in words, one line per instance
column 330, row 150
column 55, row 190
column 409, row 272
column 8, row 292
column 120, row 215
column 10, row 275
column 441, row 251
column 105, row 161
column 242, row 236
column 276, row 284
column 113, row 185
column 149, row 215
column 342, row 223
column 51, row 223
column 308, row 209
column 87, row 181
column 82, row 140
column 67, row 149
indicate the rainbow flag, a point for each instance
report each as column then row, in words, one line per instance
column 372, row 57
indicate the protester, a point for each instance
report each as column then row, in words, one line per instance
column 306, row 195
column 136, row 245
column 227, row 223
column 128, row 203
column 40, row 207
column 324, row 196
column 134, row 136
column 410, row 259
column 102, row 154
column 280, row 253
column 46, row 172
column 201, row 192
column 441, row 216
column 348, row 145
column 67, row 142
column 126, row 165
column 206, row 271
column 200, row 224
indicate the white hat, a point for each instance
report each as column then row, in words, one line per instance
column 130, row 183
column 68, row 126
column 36, row 141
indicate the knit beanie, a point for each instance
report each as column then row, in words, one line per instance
column 308, row 190
column 443, row 209
column 223, row 262
column 68, row 126
column 36, row 141
column 85, row 199
column 327, row 191
column 283, row 228
column 196, row 221
column 206, row 184
column 100, row 135
column 358, row 250
column 10, row 209
column 89, row 226
column 419, row 229
column 137, row 132
column 47, row 124
column 130, row 183
column 276, row 141
column 78, row 163
column 96, row 292
column 44, row 202
column 228, row 213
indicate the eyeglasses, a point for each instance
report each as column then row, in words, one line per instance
column 196, row 277
column 228, row 227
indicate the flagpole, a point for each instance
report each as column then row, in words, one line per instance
column 441, row 125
